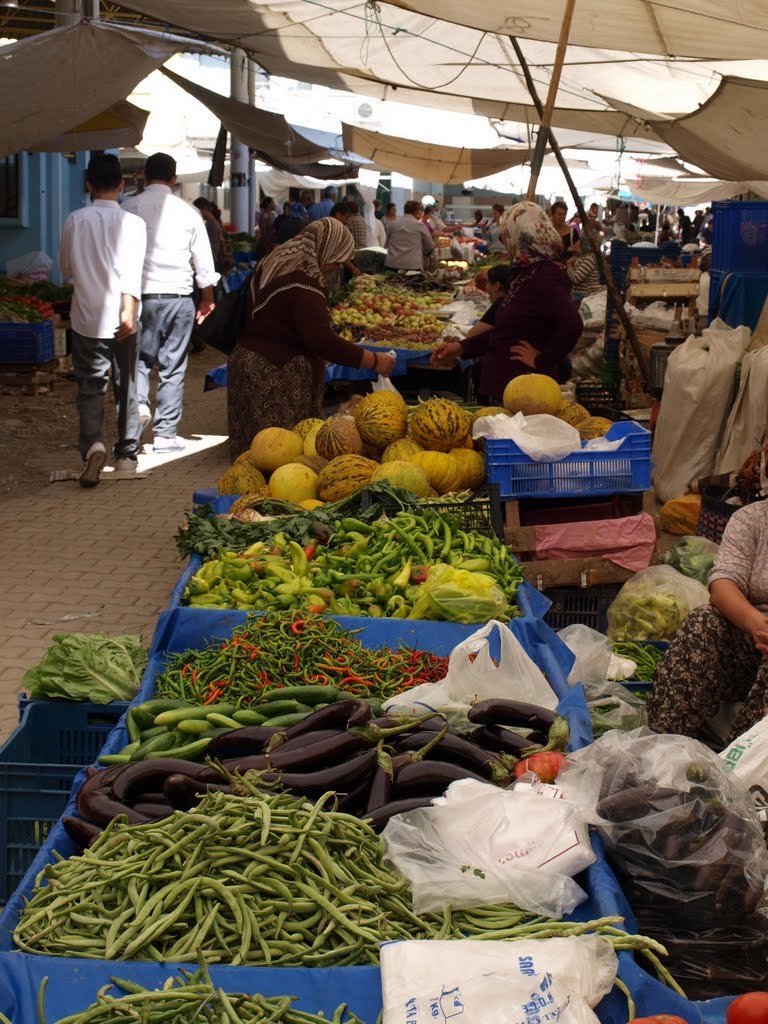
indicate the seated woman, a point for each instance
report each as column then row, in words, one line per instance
column 276, row 369
column 720, row 652
column 537, row 323
column 496, row 286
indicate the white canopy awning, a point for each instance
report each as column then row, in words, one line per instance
column 52, row 82
column 120, row 125
column 690, row 192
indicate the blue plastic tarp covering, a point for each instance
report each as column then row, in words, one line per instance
column 742, row 299
column 403, row 356
column 216, row 378
column 532, row 603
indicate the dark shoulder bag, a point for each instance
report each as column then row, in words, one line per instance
column 225, row 324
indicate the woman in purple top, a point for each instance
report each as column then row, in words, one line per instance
column 537, row 324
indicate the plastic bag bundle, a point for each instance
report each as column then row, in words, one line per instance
column 684, row 837
column 496, row 982
column 613, row 706
column 653, row 604
column 480, row 845
column 693, row 557
column 457, row 595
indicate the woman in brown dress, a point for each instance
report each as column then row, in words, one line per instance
column 276, row 370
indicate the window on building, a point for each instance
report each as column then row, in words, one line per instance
column 9, row 188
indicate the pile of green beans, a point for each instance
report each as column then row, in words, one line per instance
column 645, row 656
column 190, row 999
column 258, row 879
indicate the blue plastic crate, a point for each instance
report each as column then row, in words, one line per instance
column 580, row 475
column 37, row 765
column 27, row 343
column 740, row 236
column 205, row 496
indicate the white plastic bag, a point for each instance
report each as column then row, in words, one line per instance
column 747, row 759
column 430, row 982
column 543, row 438
column 653, row 604
column 480, row 845
column 515, row 677
column 33, row 265
column 384, row 383
column 700, row 375
column 593, row 653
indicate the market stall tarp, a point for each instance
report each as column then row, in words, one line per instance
column 119, row 126
column 671, row 192
column 52, row 82
column 447, row 164
column 269, row 135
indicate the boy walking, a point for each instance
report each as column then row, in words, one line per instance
column 102, row 253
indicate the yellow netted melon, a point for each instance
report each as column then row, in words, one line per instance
column 471, row 466
column 489, row 410
column 311, row 503
column 315, row 462
column 439, row 425
column 242, row 477
column 337, row 436
column 303, row 427
column 595, row 426
column 442, row 470
column 274, row 447
column 248, row 499
column 403, row 474
column 293, row 482
column 531, row 394
column 399, row 450
column 381, row 418
column 344, row 475
column 573, row 413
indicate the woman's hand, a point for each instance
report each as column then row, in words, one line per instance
column 523, row 352
column 445, row 351
column 385, row 363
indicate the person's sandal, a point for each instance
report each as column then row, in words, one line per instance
column 95, row 458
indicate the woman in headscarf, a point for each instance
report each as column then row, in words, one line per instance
column 276, row 369
column 537, row 323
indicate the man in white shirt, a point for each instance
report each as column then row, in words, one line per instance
column 178, row 253
column 408, row 240
column 102, row 253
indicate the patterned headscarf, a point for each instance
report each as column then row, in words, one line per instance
column 299, row 262
column 529, row 235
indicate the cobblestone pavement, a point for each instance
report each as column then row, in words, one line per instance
column 107, row 553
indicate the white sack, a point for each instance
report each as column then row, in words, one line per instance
column 745, row 429
column 698, row 388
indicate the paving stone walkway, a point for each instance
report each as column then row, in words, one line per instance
column 106, row 553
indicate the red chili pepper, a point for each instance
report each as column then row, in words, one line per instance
column 298, row 627
column 194, row 676
column 354, row 679
column 309, row 551
column 213, row 697
column 185, row 669
column 254, row 655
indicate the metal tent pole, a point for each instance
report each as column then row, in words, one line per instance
column 238, row 64
column 643, row 359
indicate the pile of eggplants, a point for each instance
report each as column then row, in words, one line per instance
column 378, row 767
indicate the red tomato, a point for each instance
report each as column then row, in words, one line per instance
column 751, row 1008
column 546, row 766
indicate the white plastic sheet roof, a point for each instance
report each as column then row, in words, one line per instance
column 53, row 82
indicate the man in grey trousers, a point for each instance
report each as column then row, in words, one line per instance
column 178, row 253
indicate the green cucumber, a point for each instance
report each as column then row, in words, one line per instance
column 224, row 721
column 310, row 694
column 159, row 704
column 247, row 717
column 192, row 751
column 156, row 730
column 271, row 708
column 285, row 720
column 173, row 717
column 194, row 726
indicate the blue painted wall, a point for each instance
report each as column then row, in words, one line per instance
column 50, row 187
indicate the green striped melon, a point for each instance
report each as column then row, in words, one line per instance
column 242, row 477
column 303, row 427
column 439, row 425
column 381, row 418
column 344, row 475
column 337, row 436
column 471, row 466
column 399, row 450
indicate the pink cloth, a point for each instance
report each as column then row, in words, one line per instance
column 629, row 542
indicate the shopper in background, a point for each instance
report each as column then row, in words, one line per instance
column 227, row 253
column 391, row 214
column 685, row 227
column 284, row 212
column 341, row 211
column 326, row 204
column 583, row 269
column 408, row 241
column 356, row 224
column 493, row 230
column 496, row 285
column 293, row 224
column 213, row 229
column 378, row 213
column 178, row 254
column 569, row 233
column 276, row 370
column 377, row 235
column 593, row 216
column 434, row 219
column 267, row 217
column 537, row 324
column 102, row 254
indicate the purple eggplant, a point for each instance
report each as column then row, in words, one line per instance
column 154, row 810
column 381, row 785
column 342, row 714
column 450, row 748
column 379, row 816
column 343, row 777
column 182, row 792
column 430, row 778
column 81, row 832
column 101, row 809
column 251, row 739
column 511, row 712
column 502, row 741
column 302, row 758
column 149, row 776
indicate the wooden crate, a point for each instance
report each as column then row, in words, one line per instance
column 582, row 572
column 29, row 375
